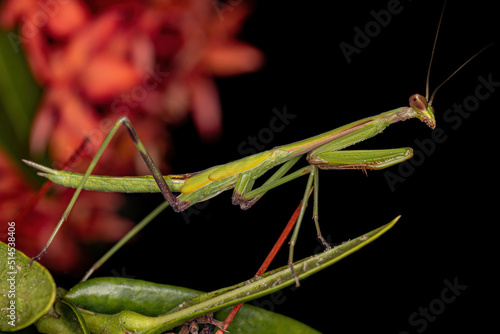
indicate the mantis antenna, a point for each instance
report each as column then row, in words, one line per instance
column 432, row 56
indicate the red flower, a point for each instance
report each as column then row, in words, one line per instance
column 97, row 61
column 33, row 230
column 152, row 60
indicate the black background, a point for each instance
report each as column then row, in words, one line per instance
column 448, row 202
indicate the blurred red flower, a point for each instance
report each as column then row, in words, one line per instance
column 97, row 61
column 94, row 219
column 139, row 59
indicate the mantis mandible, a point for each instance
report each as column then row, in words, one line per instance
column 324, row 151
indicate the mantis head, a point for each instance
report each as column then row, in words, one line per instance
column 423, row 110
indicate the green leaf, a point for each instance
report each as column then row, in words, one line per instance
column 109, row 295
column 27, row 293
column 139, row 316
column 63, row 320
column 19, row 98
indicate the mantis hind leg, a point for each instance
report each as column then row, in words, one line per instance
column 176, row 205
column 165, row 190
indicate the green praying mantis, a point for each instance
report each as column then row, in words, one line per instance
column 324, row 151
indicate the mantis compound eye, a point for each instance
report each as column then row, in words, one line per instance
column 423, row 110
column 418, row 102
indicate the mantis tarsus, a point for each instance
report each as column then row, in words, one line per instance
column 324, row 151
